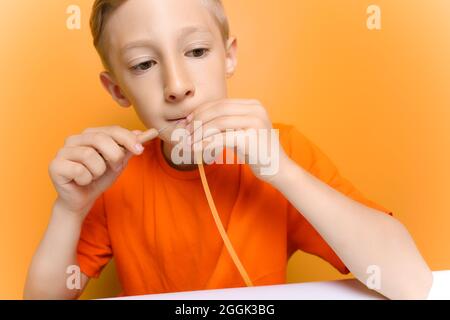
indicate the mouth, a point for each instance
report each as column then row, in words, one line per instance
column 177, row 119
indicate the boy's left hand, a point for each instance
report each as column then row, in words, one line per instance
column 240, row 117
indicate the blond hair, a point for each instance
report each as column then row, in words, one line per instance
column 103, row 8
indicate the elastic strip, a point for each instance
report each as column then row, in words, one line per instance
column 219, row 224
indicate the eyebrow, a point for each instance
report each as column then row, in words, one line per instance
column 183, row 32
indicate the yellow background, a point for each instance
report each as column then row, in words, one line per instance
column 377, row 102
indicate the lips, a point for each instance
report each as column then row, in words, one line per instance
column 177, row 119
column 182, row 114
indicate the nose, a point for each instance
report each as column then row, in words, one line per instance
column 178, row 84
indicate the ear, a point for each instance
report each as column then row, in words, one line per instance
column 113, row 89
column 231, row 56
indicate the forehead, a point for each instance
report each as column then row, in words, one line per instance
column 158, row 20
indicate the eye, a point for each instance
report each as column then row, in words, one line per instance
column 198, row 53
column 144, row 66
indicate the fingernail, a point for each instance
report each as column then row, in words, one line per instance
column 139, row 148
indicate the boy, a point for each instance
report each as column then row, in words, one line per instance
column 170, row 59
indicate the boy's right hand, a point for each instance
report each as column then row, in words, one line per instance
column 90, row 162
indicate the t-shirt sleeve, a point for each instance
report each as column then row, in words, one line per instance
column 301, row 234
column 94, row 246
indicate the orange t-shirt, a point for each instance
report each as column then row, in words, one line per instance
column 156, row 222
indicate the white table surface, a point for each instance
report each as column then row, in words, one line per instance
column 340, row 290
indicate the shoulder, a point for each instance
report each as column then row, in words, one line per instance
column 291, row 136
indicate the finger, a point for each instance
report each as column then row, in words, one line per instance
column 208, row 105
column 223, row 124
column 87, row 156
column 148, row 135
column 66, row 171
column 104, row 144
column 123, row 137
column 218, row 111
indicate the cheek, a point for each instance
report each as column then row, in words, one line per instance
column 149, row 113
column 210, row 78
column 144, row 95
column 146, row 100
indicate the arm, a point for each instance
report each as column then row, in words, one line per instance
column 360, row 236
column 83, row 169
column 47, row 275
